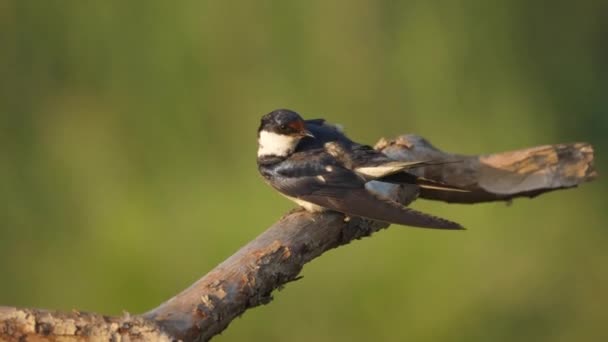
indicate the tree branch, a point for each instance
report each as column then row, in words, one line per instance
column 276, row 257
column 496, row 177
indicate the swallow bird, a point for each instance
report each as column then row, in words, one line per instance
column 318, row 167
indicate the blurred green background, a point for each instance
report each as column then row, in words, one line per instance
column 127, row 158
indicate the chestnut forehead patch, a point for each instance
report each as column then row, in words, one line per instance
column 297, row 125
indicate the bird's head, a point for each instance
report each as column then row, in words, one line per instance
column 280, row 132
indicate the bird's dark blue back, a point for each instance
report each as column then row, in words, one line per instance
column 323, row 133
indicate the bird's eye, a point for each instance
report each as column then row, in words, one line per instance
column 283, row 127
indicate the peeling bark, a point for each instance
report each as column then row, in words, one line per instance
column 276, row 257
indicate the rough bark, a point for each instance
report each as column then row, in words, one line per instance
column 42, row 325
column 276, row 257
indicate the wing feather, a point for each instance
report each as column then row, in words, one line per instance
column 340, row 189
column 361, row 202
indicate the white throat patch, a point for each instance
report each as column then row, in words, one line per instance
column 270, row 143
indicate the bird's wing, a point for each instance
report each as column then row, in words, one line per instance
column 387, row 168
column 360, row 202
column 340, row 189
column 374, row 165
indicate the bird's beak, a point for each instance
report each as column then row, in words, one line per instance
column 306, row 133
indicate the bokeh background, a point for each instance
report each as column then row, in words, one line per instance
column 127, row 158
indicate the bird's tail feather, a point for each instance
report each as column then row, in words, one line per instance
column 408, row 178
